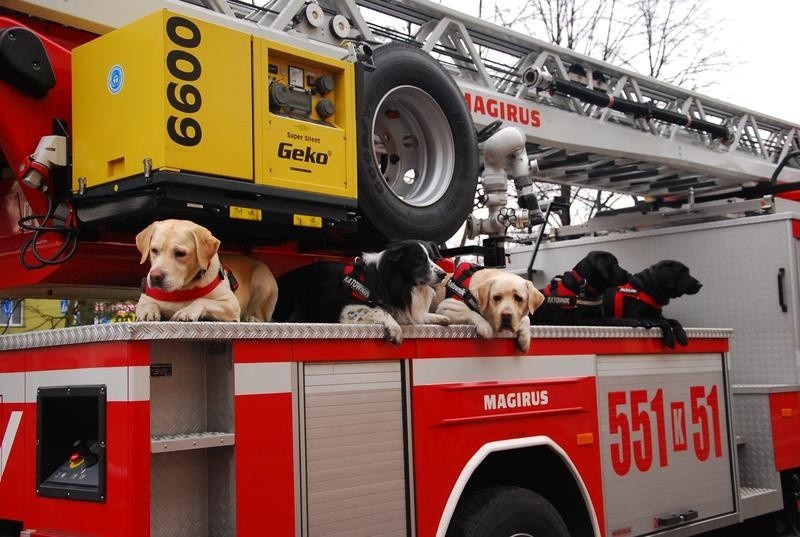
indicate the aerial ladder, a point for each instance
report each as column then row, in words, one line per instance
column 584, row 122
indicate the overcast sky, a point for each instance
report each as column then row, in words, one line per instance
column 762, row 38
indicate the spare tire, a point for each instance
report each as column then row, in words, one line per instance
column 418, row 151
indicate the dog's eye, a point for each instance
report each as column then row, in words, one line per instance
column 154, row 251
column 517, row 299
column 497, row 298
column 180, row 253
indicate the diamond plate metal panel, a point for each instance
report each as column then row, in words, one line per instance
column 650, row 449
column 179, row 494
column 221, row 492
column 192, row 493
column 756, row 455
column 222, row 331
column 198, row 395
column 737, row 262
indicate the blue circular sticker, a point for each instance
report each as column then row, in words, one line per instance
column 116, row 78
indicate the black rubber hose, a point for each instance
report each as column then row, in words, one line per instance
column 645, row 110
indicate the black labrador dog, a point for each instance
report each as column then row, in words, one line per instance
column 578, row 294
column 642, row 299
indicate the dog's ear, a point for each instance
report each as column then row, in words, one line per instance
column 535, row 297
column 668, row 272
column 482, row 294
column 604, row 263
column 621, row 276
column 435, row 252
column 207, row 246
column 143, row 241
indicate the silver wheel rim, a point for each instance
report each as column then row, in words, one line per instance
column 413, row 146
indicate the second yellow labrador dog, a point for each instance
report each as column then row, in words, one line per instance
column 500, row 304
column 188, row 281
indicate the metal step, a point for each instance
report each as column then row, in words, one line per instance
column 183, row 442
column 755, row 501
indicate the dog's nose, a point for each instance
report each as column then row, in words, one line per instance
column 440, row 275
column 156, row 278
column 505, row 320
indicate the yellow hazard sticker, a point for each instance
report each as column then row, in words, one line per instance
column 305, row 220
column 245, row 213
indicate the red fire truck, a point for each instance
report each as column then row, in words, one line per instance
column 220, row 429
column 300, row 131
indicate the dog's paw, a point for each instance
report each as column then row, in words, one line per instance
column 483, row 328
column 149, row 316
column 667, row 335
column 681, row 338
column 393, row 333
column 668, row 338
column 524, row 340
column 188, row 314
column 435, row 318
column 680, row 333
column 524, row 335
column 148, row 312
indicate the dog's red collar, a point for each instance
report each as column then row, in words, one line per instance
column 584, row 289
column 185, row 295
column 629, row 291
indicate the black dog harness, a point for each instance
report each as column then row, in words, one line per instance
column 184, row 295
column 458, row 285
column 558, row 294
column 353, row 280
column 629, row 292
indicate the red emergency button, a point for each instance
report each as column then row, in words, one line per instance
column 75, row 460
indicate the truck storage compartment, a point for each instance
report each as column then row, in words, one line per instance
column 666, row 441
column 355, row 449
column 191, row 427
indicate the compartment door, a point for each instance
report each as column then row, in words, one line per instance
column 355, row 451
column 665, row 441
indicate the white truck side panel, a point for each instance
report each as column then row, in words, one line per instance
column 736, row 261
column 665, row 442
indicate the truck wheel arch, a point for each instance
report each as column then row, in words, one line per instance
column 470, row 475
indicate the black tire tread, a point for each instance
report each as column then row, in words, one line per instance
column 443, row 218
column 472, row 510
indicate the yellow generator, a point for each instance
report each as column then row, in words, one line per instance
column 185, row 116
column 159, row 104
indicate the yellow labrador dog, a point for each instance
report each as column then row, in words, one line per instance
column 495, row 301
column 188, row 281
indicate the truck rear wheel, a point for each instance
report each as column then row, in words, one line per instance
column 506, row 512
column 418, row 153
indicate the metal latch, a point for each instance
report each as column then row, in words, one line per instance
column 676, row 518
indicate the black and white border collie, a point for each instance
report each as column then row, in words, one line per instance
column 391, row 287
